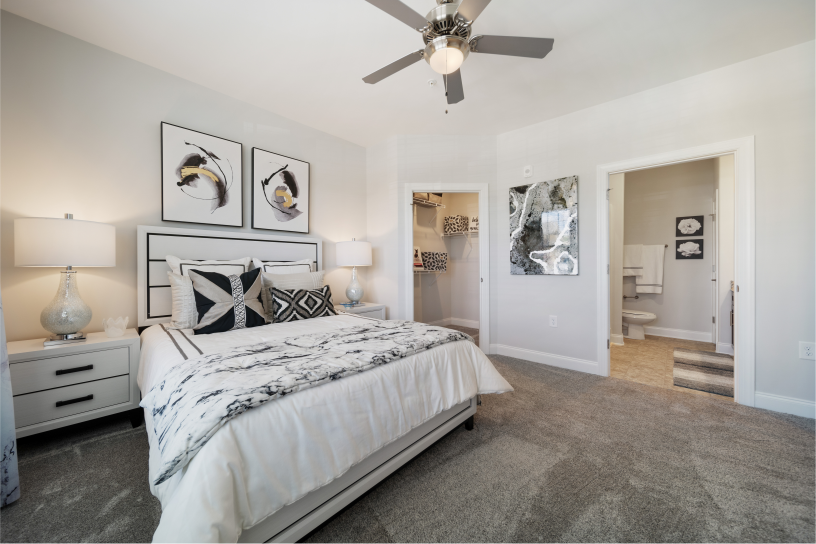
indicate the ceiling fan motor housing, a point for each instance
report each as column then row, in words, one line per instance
column 446, row 34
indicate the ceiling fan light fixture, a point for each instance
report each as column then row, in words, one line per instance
column 446, row 54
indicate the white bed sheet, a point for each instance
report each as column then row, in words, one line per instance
column 273, row 455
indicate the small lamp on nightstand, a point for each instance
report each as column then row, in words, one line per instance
column 45, row 241
column 354, row 254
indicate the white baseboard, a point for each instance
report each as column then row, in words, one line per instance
column 464, row 322
column 616, row 339
column 455, row 321
column 551, row 359
column 722, row 347
column 787, row 405
column 678, row 333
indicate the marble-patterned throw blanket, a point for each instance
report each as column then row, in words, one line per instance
column 201, row 394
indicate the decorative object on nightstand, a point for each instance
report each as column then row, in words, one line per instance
column 114, row 328
column 354, row 254
column 70, row 383
column 10, row 480
column 365, row 309
column 45, row 241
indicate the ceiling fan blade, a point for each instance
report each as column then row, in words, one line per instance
column 470, row 9
column 400, row 11
column 394, row 67
column 453, row 87
column 514, row 46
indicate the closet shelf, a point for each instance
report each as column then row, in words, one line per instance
column 461, row 234
column 427, row 203
column 428, row 272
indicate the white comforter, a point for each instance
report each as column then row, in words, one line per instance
column 273, row 455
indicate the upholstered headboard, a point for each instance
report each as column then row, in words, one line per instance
column 155, row 243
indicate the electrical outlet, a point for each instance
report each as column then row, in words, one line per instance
column 553, row 321
column 807, row 350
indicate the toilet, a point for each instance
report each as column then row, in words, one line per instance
column 636, row 320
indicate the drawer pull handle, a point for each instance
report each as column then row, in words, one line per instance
column 75, row 369
column 73, row 401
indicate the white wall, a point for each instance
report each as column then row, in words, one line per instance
column 418, row 159
column 654, row 198
column 725, row 255
column 617, row 186
column 770, row 97
column 80, row 134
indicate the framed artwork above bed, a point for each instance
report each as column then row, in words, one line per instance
column 280, row 192
column 201, row 178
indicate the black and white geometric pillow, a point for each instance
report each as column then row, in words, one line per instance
column 296, row 304
column 225, row 303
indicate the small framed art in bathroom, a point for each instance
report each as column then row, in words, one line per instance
column 689, row 249
column 689, row 226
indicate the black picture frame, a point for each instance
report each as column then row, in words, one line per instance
column 688, row 255
column 262, row 215
column 232, row 151
column 689, row 226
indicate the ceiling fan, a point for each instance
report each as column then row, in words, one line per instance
column 446, row 31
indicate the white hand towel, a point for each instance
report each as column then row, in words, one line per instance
column 633, row 260
column 652, row 279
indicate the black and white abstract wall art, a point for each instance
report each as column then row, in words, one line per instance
column 544, row 228
column 280, row 192
column 689, row 249
column 201, row 178
column 689, row 226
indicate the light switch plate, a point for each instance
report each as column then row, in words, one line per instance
column 807, row 350
column 528, row 171
column 553, row 321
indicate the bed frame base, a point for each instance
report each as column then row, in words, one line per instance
column 300, row 518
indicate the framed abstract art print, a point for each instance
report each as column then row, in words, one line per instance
column 280, row 192
column 201, row 178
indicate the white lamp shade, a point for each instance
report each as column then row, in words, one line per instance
column 354, row 253
column 45, row 241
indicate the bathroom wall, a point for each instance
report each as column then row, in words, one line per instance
column 616, row 214
column 725, row 267
column 652, row 200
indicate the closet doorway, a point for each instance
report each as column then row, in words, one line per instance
column 446, row 277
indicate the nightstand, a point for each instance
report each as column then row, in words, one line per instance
column 66, row 384
column 377, row 311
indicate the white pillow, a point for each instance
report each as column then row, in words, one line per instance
column 185, row 315
column 182, row 266
column 307, row 280
column 284, row 267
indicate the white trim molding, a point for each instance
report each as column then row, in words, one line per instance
column 407, row 274
column 744, row 248
column 560, row 361
column 723, row 347
column 458, row 322
column 786, row 405
column 616, row 339
column 681, row 334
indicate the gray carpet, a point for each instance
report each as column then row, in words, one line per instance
column 566, row 457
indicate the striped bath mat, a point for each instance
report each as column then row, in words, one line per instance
column 704, row 371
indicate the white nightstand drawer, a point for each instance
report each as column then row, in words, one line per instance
column 375, row 314
column 59, row 371
column 74, row 399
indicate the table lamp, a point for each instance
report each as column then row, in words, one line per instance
column 45, row 241
column 354, row 254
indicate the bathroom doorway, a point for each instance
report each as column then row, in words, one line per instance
column 671, row 252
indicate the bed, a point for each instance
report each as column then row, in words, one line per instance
column 276, row 472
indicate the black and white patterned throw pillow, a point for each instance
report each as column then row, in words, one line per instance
column 296, row 304
column 225, row 303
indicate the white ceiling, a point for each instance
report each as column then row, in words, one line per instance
column 305, row 60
